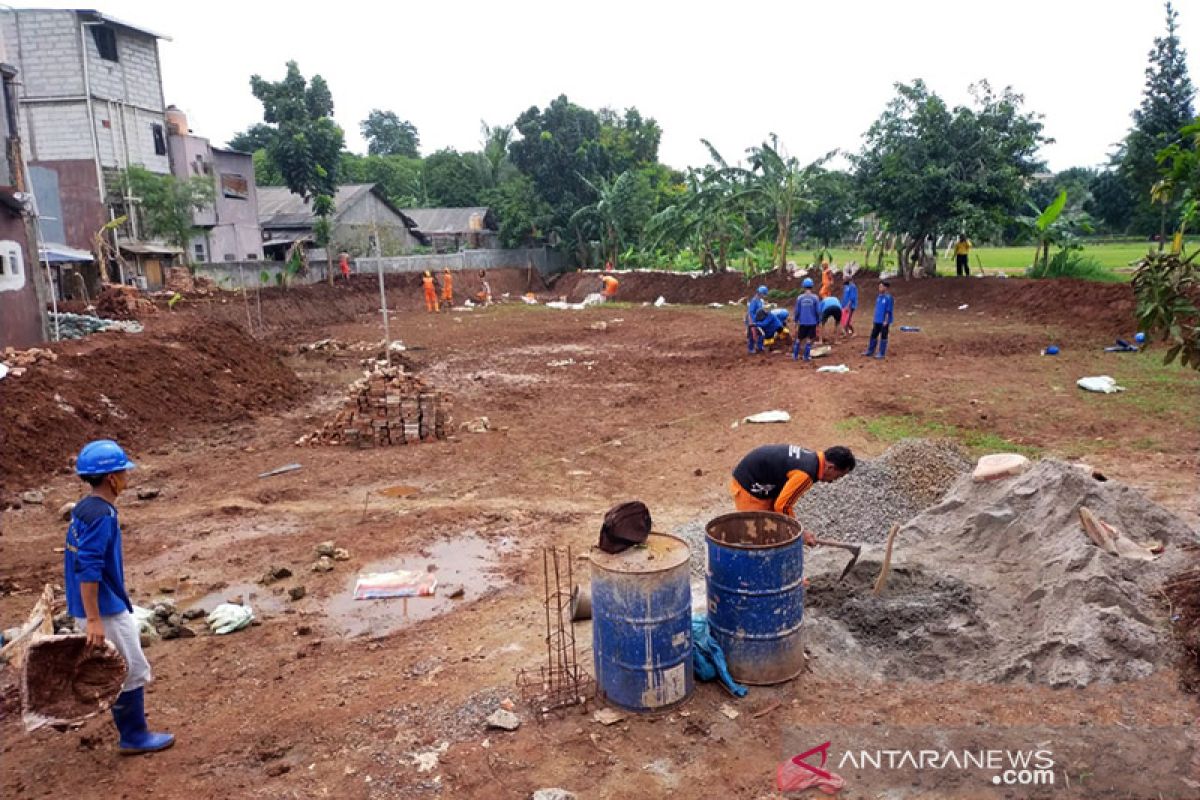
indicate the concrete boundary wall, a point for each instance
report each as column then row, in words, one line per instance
column 545, row 261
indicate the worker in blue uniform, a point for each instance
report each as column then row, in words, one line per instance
column 849, row 304
column 808, row 317
column 885, row 313
column 756, row 316
column 94, row 572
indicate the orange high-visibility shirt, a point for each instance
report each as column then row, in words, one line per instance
column 427, row 282
column 826, row 284
column 610, row 285
column 447, row 282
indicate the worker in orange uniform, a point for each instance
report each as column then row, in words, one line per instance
column 447, row 288
column 774, row 476
column 826, row 281
column 431, row 301
column 610, row 286
column 344, row 264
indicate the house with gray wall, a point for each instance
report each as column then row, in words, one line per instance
column 91, row 103
column 361, row 214
column 228, row 229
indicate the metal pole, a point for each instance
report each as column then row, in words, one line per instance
column 387, row 335
column 245, row 299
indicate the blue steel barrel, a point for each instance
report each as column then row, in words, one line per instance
column 642, row 624
column 756, row 594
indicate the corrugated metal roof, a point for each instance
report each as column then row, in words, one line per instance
column 279, row 208
column 451, row 220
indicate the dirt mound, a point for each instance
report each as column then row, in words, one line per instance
column 1183, row 594
column 301, row 308
column 909, row 477
column 137, row 388
column 123, row 302
column 1083, row 304
column 1049, row 606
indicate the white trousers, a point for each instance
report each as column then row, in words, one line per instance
column 122, row 630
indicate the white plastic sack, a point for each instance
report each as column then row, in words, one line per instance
column 3, row 371
column 1000, row 465
column 593, row 299
column 769, row 416
column 229, row 617
column 839, row 368
column 1099, row 383
column 660, row 302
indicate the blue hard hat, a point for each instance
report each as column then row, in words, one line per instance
column 1140, row 337
column 808, row 284
column 102, row 457
column 1052, row 350
column 762, row 290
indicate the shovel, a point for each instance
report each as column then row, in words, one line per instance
column 854, row 549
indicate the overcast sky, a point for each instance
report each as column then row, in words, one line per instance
column 815, row 73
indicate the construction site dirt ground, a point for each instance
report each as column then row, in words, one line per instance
column 328, row 697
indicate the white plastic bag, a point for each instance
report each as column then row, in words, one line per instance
column 1099, row 383
column 229, row 617
column 839, row 368
column 769, row 416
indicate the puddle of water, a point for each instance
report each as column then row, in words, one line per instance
column 261, row 599
column 469, row 561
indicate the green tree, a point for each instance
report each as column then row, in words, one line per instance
column 257, row 137
column 452, row 179
column 266, row 172
column 926, row 167
column 1112, row 201
column 494, row 164
column 388, row 135
column 620, row 210
column 166, row 205
column 706, row 219
column 307, row 144
column 1165, row 108
column 559, row 150
column 398, row 177
column 523, row 215
column 834, row 209
column 629, row 140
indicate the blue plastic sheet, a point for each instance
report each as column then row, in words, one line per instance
column 708, row 662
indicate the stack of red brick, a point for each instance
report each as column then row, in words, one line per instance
column 387, row 407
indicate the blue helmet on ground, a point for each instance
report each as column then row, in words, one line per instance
column 1140, row 338
column 102, row 457
column 1052, row 350
column 762, row 290
column 808, row 284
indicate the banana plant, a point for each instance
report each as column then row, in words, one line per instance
column 1043, row 227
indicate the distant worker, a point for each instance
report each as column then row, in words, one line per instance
column 849, row 304
column 344, row 265
column 808, row 317
column 431, row 301
column 831, row 309
column 758, row 319
column 610, row 287
column 94, row 577
column 773, row 477
column 962, row 256
column 885, row 314
column 447, row 288
column 826, row 280
column 484, row 295
column 608, row 266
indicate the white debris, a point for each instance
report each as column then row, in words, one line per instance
column 1099, row 383
column 660, row 302
column 769, row 416
column 963, row 307
column 729, row 711
column 504, row 720
column 608, row 716
column 1000, row 465
column 561, row 362
column 427, row 760
column 839, row 368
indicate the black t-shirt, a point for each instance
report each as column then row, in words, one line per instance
column 765, row 470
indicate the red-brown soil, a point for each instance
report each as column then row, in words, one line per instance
column 582, row 418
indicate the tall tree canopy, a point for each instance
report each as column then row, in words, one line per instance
column 257, row 137
column 388, row 135
column 927, row 168
column 1165, row 108
column 452, row 179
column 306, row 143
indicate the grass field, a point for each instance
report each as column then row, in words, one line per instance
column 1115, row 257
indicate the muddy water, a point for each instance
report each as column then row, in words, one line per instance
column 469, row 561
column 261, row 599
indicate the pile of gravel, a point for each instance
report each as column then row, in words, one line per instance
column 910, row 476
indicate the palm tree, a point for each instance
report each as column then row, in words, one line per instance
column 779, row 185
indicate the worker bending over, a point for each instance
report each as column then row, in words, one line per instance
column 610, row 287
column 773, row 477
